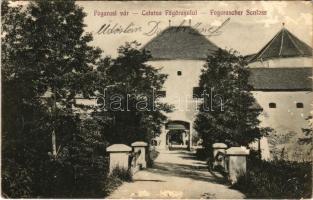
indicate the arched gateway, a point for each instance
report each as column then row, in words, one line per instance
column 176, row 134
column 180, row 52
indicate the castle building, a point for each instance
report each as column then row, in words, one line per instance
column 280, row 74
column 179, row 52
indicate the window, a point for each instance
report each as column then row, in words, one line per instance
column 161, row 93
column 272, row 105
column 299, row 105
column 197, row 92
column 179, row 73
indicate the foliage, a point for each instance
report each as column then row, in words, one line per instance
column 110, row 184
column 46, row 63
column 308, row 134
column 45, row 53
column 236, row 121
column 16, row 182
column 129, row 96
column 84, row 164
column 276, row 179
column 152, row 155
column 22, row 112
column 293, row 146
column 203, row 153
column 278, row 142
column 115, row 179
column 123, row 174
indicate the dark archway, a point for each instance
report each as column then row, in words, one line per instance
column 178, row 134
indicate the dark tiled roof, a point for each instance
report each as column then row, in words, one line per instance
column 284, row 44
column 180, row 42
column 281, row 79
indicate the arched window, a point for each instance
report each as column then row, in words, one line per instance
column 300, row 105
column 272, row 105
column 179, row 73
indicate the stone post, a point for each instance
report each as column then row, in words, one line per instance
column 142, row 147
column 219, row 148
column 162, row 137
column 237, row 162
column 119, row 156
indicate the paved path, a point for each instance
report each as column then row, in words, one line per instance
column 176, row 174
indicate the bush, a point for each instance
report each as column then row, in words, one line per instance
column 115, row 179
column 204, row 153
column 16, row 181
column 110, row 184
column 152, row 155
column 221, row 170
column 122, row 174
column 276, row 179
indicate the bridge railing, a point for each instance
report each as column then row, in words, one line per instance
column 232, row 160
column 134, row 164
column 128, row 158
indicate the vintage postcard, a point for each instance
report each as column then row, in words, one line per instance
column 156, row 99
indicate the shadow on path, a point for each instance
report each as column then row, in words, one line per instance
column 176, row 175
column 194, row 169
column 186, row 171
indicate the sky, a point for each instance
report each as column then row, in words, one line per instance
column 246, row 34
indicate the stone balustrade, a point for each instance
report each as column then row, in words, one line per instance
column 233, row 160
column 142, row 148
column 128, row 158
column 119, row 156
column 236, row 162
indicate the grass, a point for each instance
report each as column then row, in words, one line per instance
column 276, row 179
column 115, row 179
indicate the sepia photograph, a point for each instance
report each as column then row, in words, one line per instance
column 156, row 99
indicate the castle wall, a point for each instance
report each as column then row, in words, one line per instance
column 286, row 120
column 179, row 89
column 286, row 116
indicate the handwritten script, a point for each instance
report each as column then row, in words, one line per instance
column 154, row 27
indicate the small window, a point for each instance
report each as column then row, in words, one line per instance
column 272, row 105
column 197, row 92
column 179, row 73
column 299, row 105
column 161, row 93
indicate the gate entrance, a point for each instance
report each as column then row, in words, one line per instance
column 178, row 135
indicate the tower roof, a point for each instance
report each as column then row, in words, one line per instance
column 283, row 44
column 180, row 42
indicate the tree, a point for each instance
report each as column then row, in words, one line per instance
column 46, row 63
column 308, row 132
column 20, row 110
column 305, row 142
column 131, row 96
column 226, row 114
